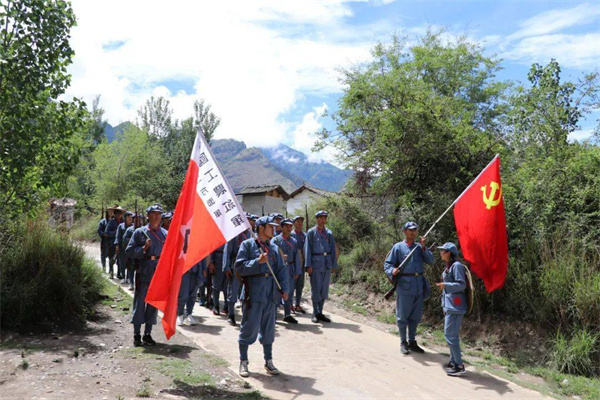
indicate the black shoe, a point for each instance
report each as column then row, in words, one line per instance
column 323, row 318
column 216, row 311
column 119, row 276
column 112, row 276
column 458, row 370
column 231, row 320
column 137, row 340
column 147, row 339
column 290, row 319
column 314, row 319
column 413, row 346
column 404, row 348
column 450, row 365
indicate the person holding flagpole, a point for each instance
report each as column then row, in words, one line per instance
column 412, row 288
column 146, row 245
column 265, row 284
column 454, row 304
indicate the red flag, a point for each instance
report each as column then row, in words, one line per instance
column 481, row 227
column 207, row 215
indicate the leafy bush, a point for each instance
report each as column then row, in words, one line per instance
column 46, row 281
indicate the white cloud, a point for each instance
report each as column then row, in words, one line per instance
column 581, row 135
column 305, row 138
column 252, row 61
column 542, row 38
column 556, row 20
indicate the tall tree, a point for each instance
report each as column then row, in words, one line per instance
column 36, row 129
column 418, row 122
column 156, row 117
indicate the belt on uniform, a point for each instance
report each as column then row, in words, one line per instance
column 291, row 263
column 152, row 258
column 413, row 274
column 321, row 254
column 267, row 275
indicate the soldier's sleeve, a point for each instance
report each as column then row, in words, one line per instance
column 460, row 280
column 297, row 260
column 427, row 256
column 135, row 248
column 308, row 251
column 118, row 236
column 226, row 258
column 333, row 251
column 390, row 263
column 245, row 264
column 281, row 273
column 100, row 229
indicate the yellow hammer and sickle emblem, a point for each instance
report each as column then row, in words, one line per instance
column 489, row 201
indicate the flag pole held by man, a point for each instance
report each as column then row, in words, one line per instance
column 481, row 228
column 207, row 215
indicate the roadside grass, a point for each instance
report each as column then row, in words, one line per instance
column 355, row 307
column 115, row 297
column 184, row 371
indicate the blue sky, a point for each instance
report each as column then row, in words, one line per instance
column 269, row 68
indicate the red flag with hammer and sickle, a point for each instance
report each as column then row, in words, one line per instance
column 481, row 227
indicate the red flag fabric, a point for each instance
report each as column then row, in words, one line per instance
column 481, row 227
column 207, row 215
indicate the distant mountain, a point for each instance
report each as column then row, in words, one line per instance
column 249, row 167
column 254, row 166
column 319, row 174
column 111, row 132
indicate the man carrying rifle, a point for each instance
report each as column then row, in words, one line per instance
column 121, row 245
column 111, row 233
column 130, row 263
column 104, row 241
column 411, row 286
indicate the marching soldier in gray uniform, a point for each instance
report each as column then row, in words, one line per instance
column 256, row 263
column 121, row 245
column 104, row 241
column 219, row 280
column 111, row 233
column 130, row 263
column 291, row 258
column 411, row 286
column 230, row 254
column 190, row 281
column 300, row 237
column 320, row 259
column 146, row 245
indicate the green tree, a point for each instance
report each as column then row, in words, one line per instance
column 36, row 129
column 156, row 117
column 417, row 123
column 131, row 167
column 178, row 146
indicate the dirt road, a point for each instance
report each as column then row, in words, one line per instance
column 344, row 360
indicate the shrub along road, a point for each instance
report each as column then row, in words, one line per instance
column 343, row 359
